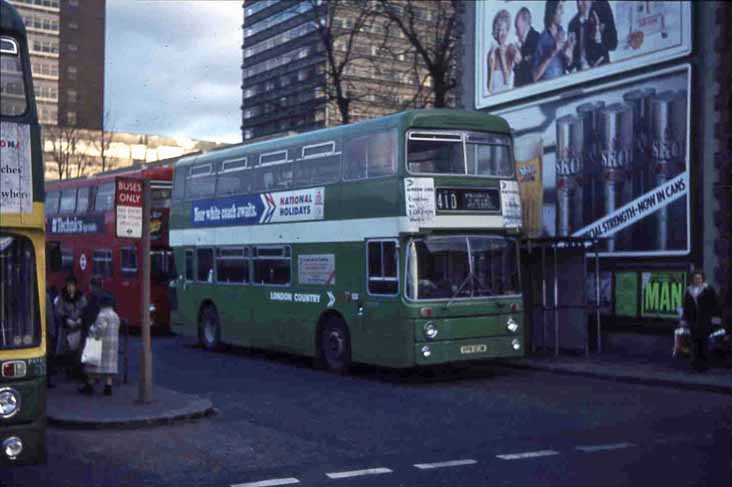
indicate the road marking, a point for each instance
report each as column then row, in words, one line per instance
column 528, row 454
column 269, row 483
column 613, row 446
column 450, row 463
column 358, row 473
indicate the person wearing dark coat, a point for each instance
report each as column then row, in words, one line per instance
column 51, row 333
column 528, row 38
column 701, row 310
column 593, row 29
column 68, row 308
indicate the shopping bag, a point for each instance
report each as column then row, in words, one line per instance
column 682, row 341
column 92, row 353
column 73, row 339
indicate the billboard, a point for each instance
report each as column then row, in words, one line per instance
column 525, row 48
column 609, row 161
column 662, row 294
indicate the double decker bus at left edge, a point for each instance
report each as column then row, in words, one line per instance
column 22, row 255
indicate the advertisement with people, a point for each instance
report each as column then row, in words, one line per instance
column 611, row 162
column 525, row 48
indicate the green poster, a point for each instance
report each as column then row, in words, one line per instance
column 662, row 293
column 626, row 294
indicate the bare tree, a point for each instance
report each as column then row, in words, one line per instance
column 339, row 25
column 104, row 138
column 67, row 148
column 433, row 30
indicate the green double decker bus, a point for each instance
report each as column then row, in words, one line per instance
column 391, row 242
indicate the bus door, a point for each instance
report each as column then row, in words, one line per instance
column 379, row 315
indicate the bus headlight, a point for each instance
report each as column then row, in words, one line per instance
column 511, row 325
column 426, row 352
column 430, row 330
column 9, row 402
column 516, row 344
column 12, row 447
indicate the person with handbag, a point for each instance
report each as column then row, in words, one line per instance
column 701, row 311
column 101, row 349
column 69, row 307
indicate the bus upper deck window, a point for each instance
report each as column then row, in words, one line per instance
column 13, row 100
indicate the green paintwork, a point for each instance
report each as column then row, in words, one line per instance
column 449, row 351
column 384, row 330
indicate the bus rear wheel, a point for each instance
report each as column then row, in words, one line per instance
column 209, row 329
column 335, row 346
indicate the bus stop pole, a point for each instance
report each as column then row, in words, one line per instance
column 145, row 382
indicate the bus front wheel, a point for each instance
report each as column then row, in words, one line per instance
column 209, row 329
column 335, row 345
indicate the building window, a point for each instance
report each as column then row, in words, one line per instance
column 248, row 134
column 71, row 96
column 71, row 118
column 71, row 72
column 74, row 3
column 73, row 25
column 73, row 47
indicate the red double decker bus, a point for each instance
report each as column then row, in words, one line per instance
column 81, row 240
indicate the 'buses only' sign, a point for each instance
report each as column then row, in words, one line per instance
column 128, row 207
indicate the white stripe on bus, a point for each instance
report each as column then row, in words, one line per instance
column 354, row 230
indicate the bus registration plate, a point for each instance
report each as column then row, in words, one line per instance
column 468, row 349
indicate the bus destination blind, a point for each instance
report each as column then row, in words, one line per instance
column 468, row 199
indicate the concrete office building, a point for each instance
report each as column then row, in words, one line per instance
column 66, row 40
column 284, row 81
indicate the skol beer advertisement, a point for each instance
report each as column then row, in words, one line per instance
column 610, row 161
column 524, row 48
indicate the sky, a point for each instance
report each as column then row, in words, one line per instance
column 173, row 67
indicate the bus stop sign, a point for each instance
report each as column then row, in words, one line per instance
column 128, row 207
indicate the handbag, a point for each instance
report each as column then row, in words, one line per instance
column 92, row 353
column 73, row 339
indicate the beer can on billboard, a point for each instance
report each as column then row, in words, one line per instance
column 668, row 142
column 569, row 175
column 616, row 146
column 588, row 113
column 529, row 159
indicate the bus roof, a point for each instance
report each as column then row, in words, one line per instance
column 436, row 118
column 157, row 172
column 10, row 21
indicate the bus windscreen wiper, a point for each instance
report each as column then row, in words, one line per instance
column 460, row 288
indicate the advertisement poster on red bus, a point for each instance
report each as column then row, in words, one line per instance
column 610, row 161
column 525, row 48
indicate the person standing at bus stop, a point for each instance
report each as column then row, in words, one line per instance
column 106, row 329
column 701, row 310
column 69, row 308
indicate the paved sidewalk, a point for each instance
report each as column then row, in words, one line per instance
column 671, row 373
column 68, row 408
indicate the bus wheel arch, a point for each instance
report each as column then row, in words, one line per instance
column 209, row 325
column 333, row 342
